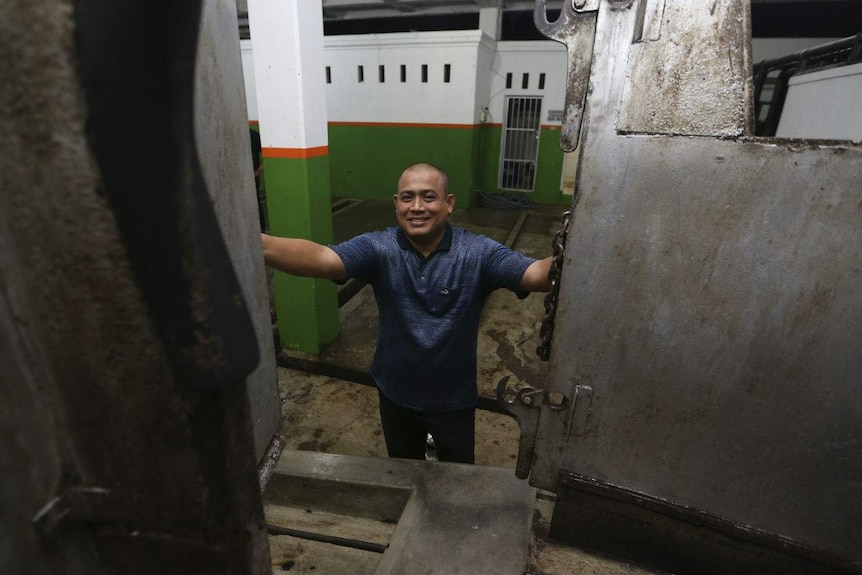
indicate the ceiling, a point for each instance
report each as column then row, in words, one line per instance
column 770, row 18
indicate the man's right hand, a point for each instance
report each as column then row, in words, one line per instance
column 302, row 258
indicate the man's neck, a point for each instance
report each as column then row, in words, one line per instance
column 426, row 248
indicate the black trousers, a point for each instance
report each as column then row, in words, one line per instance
column 406, row 430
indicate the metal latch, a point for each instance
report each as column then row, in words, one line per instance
column 576, row 29
column 525, row 407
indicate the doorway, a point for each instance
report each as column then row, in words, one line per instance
column 519, row 150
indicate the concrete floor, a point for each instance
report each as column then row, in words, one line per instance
column 327, row 415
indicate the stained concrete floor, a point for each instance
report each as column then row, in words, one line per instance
column 329, row 415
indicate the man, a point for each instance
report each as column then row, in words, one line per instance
column 430, row 281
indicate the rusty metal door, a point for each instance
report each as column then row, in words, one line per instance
column 126, row 439
column 708, row 329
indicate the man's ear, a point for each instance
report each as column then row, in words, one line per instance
column 450, row 201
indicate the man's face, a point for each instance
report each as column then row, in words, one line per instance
column 422, row 205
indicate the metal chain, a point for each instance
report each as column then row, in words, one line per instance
column 559, row 247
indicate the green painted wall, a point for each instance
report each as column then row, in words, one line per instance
column 549, row 165
column 299, row 206
column 366, row 161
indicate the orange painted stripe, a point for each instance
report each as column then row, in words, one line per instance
column 403, row 125
column 296, row 153
column 253, row 123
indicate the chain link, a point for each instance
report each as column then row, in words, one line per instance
column 546, row 333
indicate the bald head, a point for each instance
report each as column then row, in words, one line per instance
column 425, row 167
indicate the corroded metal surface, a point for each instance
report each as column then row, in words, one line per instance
column 711, row 295
column 689, row 72
column 110, row 463
column 576, row 31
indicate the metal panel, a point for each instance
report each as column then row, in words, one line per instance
column 125, row 439
column 710, row 296
column 221, row 131
column 696, row 64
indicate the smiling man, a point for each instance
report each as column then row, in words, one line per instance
column 430, row 281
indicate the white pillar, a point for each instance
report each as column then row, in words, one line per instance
column 287, row 39
column 290, row 79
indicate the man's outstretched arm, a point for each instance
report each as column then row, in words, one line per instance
column 302, row 258
column 536, row 276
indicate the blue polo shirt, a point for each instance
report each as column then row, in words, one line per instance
column 429, row 310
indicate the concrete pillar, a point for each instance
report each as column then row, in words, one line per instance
column 490, row 17
column 287, row 38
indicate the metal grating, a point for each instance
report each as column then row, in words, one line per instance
column 520, row 147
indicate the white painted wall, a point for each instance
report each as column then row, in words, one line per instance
column 477, row 77
column 824, row 105
column 289, row 73
column 412, row 101
column 533, row 58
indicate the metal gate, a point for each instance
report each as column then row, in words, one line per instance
column 520, row 147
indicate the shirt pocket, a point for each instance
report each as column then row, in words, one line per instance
column 444, row 300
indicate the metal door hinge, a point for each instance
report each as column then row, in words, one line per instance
column 576, row 29
column 525, row 407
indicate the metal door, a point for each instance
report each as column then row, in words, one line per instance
column 126, row 438
column 709, row 316
column 520, row 147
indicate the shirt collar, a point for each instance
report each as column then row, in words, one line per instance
column 444, row 246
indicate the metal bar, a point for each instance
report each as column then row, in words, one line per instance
column 501, row 180
column 773, row 115
column 810, row 53
column 332, row 539
column 361, row 377
column 522, row 142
